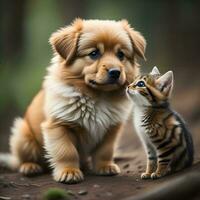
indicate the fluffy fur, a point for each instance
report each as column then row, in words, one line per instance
column 80, row 110
column 167, row 142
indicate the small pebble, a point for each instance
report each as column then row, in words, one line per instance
column 5, row 198
column 96, row 186
column 82, row 192
column 137, row 179
column 109, row 194
column 26, row 196
column 69, row 192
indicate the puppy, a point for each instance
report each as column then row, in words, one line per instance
column 82, row 105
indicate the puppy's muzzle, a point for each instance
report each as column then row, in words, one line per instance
column 113, row 75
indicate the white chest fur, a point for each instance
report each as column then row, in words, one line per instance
column 138, row 114
column 66, row 104
column 137, row 118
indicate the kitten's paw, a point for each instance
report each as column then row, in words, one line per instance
column 145, row 175
column 156, row 175
column 68, row 175
column 108, row 170
column 29, row 169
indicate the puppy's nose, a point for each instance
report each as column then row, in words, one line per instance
column 114, row 73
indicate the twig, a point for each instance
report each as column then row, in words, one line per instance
column 24, row 184
column 4, row 198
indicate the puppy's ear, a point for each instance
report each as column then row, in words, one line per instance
column 64, row 41
column 137, row 40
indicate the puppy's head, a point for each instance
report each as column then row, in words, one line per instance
column 98, row 53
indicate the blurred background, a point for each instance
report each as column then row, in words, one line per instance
column 171, row 28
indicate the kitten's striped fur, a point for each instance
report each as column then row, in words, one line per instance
column 167, row 141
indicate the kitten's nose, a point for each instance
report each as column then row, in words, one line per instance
column 114, row 73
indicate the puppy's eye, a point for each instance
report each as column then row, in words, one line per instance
column 140, row 84
column 120, row 55
column 95, row 54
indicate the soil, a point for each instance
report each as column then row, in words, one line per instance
column 131, row 159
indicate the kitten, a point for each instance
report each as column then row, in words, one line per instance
column 167, row 142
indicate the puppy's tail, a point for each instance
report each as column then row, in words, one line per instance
column 9, row 161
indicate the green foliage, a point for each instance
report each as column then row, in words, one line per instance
column 20, row 79
column 55, row 194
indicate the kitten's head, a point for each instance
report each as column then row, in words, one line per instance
column 152, row 89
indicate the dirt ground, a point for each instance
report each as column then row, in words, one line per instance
column 128, row 184
column 131, row 158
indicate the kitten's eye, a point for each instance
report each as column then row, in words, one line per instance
column 140, row 84
column 120, row 55
column 94, row 55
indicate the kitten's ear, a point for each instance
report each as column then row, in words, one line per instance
column 65, row 41
column 165, row 83
column 155, row 71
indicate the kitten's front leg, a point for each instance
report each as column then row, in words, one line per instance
column 150, row 168
column 166, row 154
column 61, row 151
column 162, row 170
column 151, row 162
column 163, row 164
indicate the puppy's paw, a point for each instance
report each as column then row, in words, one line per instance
column 156, row 175
column 108, row 170
column 29, row 169
column 145, row 175
column 68, row 175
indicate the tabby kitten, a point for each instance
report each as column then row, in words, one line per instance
column 167, row 142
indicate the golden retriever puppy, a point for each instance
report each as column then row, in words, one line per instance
column 82, row 105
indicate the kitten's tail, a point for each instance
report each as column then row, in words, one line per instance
column 9, row 161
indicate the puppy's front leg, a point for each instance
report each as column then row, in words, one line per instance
column 103, row 155
column 61, row 151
